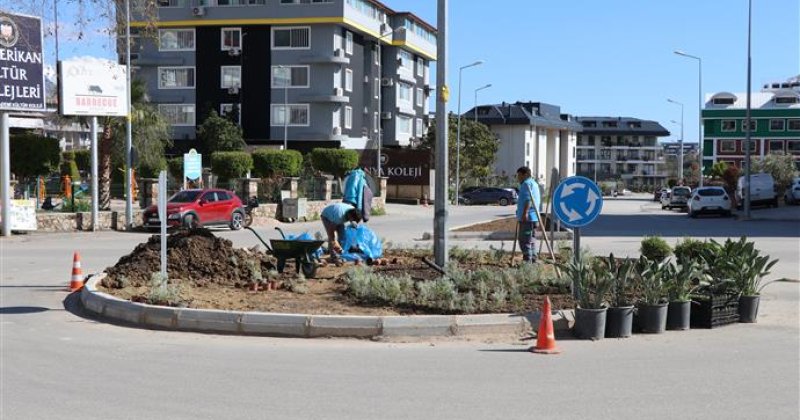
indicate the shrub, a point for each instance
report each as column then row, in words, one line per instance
column 689, row 250
column 269, row 163
column 175, row 168
column 231, row 165
column 33, row 155
column 69, row 167
column 218, row 134
column 83, row 158
column 334, row 161
column 151, row 170
column 655, row 248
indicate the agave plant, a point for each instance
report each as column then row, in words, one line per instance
column 621, row 271
column 737, row 265
column 651, row 276
column 592, row 282
column 684, row 279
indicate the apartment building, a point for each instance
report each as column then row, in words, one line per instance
column 319, row 73
column 533, row 134
column 621, row 148
column 775, row 115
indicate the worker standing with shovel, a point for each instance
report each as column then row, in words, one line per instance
column 528, row 203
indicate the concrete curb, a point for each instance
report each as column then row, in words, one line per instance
column 502, row 236
column 308, row 326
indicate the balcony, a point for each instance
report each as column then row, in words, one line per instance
column 338, row 57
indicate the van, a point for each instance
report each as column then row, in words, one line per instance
column 762, row 190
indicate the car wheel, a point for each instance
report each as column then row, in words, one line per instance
column 503, row 201
column 190, row 221
column 237, row 220
column 693, row 215
column 727, row 214
column 663, row 207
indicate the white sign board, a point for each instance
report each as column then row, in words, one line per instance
column 23, row 214
column 92, row 87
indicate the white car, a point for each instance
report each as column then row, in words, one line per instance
column 762, row 190
column 709, row 200
column 792, row 194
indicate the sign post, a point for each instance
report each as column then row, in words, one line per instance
column 22, row 73
column 577, row 201
column 162, row 216
column 192, row 166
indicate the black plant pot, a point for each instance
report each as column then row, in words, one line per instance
column 748, row 308
column 619, row 322
column 652, row 318
column 590, row 323
column 679, row 315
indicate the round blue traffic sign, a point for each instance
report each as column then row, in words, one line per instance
column 577, row 201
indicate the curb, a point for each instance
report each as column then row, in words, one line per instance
column 306, row 325
column 503, row 236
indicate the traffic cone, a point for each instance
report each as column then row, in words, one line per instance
column 546, row 338
column 76, row 282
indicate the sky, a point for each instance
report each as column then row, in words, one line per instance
column 591, row 58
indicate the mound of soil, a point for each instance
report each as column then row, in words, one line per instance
column 193, row 255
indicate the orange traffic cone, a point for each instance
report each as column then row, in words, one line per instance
column 546, row 338
column 76, row 282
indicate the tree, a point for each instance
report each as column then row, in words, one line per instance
column 219, row 134
column 478, row 148
column 779, row 165
column 33, row 155
column 334, row 161
column 718, row 169
column 69, row 167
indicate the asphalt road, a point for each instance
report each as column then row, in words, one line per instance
column 56, row 363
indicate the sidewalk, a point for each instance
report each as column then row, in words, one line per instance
column 781, row 214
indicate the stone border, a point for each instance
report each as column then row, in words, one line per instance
column 307, row 325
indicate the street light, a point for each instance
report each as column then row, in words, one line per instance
column 458, row 131
column 699, row 106
column 380, row 99
column 747, row 115
column 286, row 81
column 475, row 108
column 680, row 144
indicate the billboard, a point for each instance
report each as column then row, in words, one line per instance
column 400, row 166
column 21, row 63
column 92, row 87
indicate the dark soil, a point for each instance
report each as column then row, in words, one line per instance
column 499, row 225
column 210, row 273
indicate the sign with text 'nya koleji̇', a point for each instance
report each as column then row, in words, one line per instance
column 92, row 87
column 21, row 63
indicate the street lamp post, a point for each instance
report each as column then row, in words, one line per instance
column 128, row 127
column 286, row 80
column 475, row 107
column 748, row 118
column 458, row 131
column 440, row 251
column 699, row 107
column 680, row 144
column 380, row 100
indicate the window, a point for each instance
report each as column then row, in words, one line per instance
column 176, row 39
column 298, row 115
column 727, row 146
column 786, row 99
column 376, row 54
column 609, row 124
column 776, row 146
column 793, row 146
column 305, row 1
column 728, row 125
column 348, row 80
column 419, row 129
column 723, row 101
column 375, row 122
column 291, row 38
column 377, row 88
column 230, row 77
column 231, row 38
column 777, row 125
column 420, row 67
column 175, row 77
column 348, row 117
column 406, row 60
column 420, row 98
column 404, row 92
column 752, row 121
column 403, row 124
column 232, row 111
column 290, row 76
column 177, row 114
column 794, row 124
column 337, row 42
column 348, row 43
column 337, row 78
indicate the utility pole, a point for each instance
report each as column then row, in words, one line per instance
column 440, row 250
column 748, row 118
column 129, row 130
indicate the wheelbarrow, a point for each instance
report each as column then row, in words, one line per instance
column 303, row 252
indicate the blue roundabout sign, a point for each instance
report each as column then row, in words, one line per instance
column 577, row 201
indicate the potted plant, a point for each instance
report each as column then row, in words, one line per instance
column 716, row 303
column 652, row 307
column 682, row 280
column 655, row 248
column 592, row 281
column 619, row 318
column 752, row 268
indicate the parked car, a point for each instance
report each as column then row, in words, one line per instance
column 657, row 193
column 678, row 197
column 763, row 190
column 194, row 208
column 489, row 195
column 665, row 195
column 709, row 200
column 792, row 194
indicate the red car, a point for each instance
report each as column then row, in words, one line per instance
column 194, row 208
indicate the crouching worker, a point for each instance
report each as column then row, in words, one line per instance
column 526, row 213
column 334, row 218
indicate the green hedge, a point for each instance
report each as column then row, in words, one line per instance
column 268, row 163
column 231, row 165
column 655, row 248
column 334, row 161
column 175, row 168
column 33, row 155
column 151, row 171
column 83, row 158
column 69, row 167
